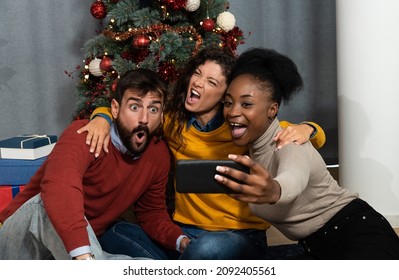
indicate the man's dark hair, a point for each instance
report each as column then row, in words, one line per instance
column 143, row 81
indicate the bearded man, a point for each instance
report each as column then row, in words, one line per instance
column 75, row 196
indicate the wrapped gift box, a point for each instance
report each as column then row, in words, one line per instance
column 7, row 193
column 18, row 171
column 27, row 146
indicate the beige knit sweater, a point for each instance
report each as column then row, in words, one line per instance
column 309, row 194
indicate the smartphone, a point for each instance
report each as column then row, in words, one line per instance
column 198, row 176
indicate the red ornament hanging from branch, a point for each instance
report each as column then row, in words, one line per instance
column 114, row 85
column 98, row 9
column 208, row 24
column 141, row 41
column 106, row 64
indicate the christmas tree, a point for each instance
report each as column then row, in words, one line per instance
column 157, row 34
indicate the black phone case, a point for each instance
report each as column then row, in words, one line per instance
column 197, row 176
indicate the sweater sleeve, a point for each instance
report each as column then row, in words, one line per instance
column 293, row 171
column 101, row 110
column 318, row 138
column 62, row 188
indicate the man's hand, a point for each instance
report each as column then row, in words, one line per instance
column 184, row 243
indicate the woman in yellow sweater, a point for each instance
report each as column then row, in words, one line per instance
column 216, row 225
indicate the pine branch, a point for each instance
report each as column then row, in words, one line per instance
column 123, row 11
column 171, row 43
column 99, row 45
column 121, row 65
column 145, row 17
column 149, row 63
column 211, row 39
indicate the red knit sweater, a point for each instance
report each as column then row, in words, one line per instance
column 74, row 184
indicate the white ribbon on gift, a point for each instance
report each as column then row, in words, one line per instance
column 34, row 136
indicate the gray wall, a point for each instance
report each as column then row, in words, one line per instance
column 305, row 31
column 41, row 39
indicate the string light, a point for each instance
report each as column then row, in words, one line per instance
column 154, row 29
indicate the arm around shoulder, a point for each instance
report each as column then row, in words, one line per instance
column 98, row 130
column 318, row 137
column 293, row 133
column 101, row 111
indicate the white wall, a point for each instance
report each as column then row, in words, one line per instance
column 368, row 98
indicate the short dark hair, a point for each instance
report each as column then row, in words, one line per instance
column 274, row 71
column 142, row 80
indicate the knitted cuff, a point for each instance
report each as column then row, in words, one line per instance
column 104, row 116
column 314, row 129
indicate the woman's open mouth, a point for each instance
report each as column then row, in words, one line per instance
column 237, row 130
column 194, row 97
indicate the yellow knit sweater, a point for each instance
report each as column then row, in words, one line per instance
column 210, row 211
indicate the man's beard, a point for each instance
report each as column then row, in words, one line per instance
column 130, row 138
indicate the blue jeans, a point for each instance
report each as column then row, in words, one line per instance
column 28, row 234
column 245, row 244
column 129, row 239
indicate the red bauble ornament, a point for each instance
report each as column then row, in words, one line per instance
column 114, row 85
column 106, row 64
column 208, row 24
column 98, row 9
column 141, row 41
